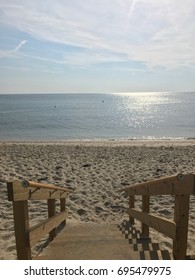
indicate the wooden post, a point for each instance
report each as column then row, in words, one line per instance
column 181, row 217
column 63, row 208
column 145, row 208
column 131, row 205
column 51, row 213
column 21, row 224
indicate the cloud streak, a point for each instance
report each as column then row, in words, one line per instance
column 23, row 42
column 156, row 33
column 4, row 54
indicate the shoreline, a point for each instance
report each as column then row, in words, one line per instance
column 114, row 141
column 97, row 171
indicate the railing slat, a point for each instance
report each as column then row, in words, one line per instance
column 181, row 217
column 173, row 185
column 131, row 205
column 145, row 208
column 18, row 193
column 63, row 208
column 40, row 230
column 161, row 224
column 51, row 213
column 21, row 224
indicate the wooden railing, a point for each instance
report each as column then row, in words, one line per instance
column 19, row 192
column 180, row 186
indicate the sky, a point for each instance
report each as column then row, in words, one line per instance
column 97, row 46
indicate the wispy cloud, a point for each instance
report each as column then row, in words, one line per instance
column 9, row 53
column 23, row 42
column 157, row 33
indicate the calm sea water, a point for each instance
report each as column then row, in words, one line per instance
column 97, row 116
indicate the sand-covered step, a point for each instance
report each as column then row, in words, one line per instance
column 89, row 241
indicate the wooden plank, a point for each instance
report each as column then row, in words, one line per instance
column 10, row 191
column 40, row 230
column 181, row 217
column 62, row 204
column 163, row 225
column 21, row 224
column 131, row 205
column 51, row 213
column 145, row 208
column 17, row 193
column 179, row 185
column 63, row 208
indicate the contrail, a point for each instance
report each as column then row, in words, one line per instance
column 130, row 12
column 4, row 54
column 23, row 42
column 131, row 8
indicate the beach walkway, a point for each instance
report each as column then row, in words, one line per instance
column 91, row 241
column 96, row 241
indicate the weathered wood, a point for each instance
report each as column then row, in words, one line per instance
column 163, row 225
column 63, row 208
column 173, row 185
column 51, row 213
column 18, row 193
column 145, row 208
column 182, row 187
column 181, row 217
column 43, row 228
column 131, row 205
column 21, row 225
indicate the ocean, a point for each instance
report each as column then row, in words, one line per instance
column 59, row 117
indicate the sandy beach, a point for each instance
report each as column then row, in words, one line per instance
column 96, row 171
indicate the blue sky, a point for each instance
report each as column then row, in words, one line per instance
column 97, row 46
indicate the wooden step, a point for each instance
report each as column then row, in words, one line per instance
column 89, row 241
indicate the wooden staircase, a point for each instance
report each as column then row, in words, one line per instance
column 89, row 241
